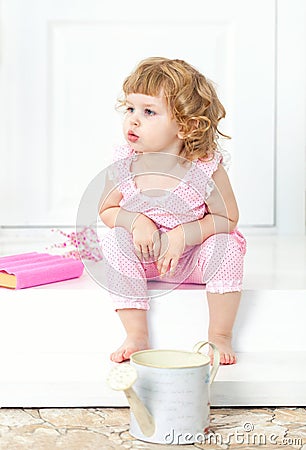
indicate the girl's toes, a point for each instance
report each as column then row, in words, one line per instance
column 126, row 355
column 117, row 357
column 228, row 358
column 222, row 358
column 233, row 359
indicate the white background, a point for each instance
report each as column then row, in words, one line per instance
column 62, row 67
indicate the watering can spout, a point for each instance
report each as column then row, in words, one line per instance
column 121, row 378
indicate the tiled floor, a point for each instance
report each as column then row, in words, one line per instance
column 107, row 428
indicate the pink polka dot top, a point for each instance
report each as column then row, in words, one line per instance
column 184, row 203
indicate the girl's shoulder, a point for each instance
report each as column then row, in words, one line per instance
column 210, row 165
column 207, row 167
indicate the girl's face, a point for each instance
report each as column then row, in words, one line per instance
column 148, row 125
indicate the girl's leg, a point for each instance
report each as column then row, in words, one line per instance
column 137, row 338
column 222, row 313
column 221, row 263
column 126, row 282
column 124, row 274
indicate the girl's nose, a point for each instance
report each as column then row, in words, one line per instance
column 134, row 120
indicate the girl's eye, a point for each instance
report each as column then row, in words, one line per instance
column 129, row 109
column 149, row 112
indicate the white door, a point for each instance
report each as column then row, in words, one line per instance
column 62, row 67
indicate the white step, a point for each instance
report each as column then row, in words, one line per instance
column 76, row 315
column 57, row 339
column 78, row 380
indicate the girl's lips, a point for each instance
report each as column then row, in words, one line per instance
column 132, row 137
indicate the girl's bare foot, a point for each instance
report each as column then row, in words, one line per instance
column 132, row 344
column 222, row 313
column 224, row 345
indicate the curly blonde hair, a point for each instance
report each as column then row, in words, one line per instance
column 192, row 99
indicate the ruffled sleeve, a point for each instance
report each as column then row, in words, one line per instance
column 209, row 167
column 122, row 152
column 118, row 167
column 226, row 158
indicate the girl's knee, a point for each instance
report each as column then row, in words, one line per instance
column 117, row 234
column 221, row 245
column 115, row 239
column 221, row 258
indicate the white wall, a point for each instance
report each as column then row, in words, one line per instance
column 60, row 73
column 291, row 116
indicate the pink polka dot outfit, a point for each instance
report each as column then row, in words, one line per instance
column 217, row 263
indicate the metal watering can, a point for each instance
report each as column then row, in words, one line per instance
column 170, row 398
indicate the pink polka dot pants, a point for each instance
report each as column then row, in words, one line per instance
column 217, row 263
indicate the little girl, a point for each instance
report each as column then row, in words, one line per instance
column 169, row 203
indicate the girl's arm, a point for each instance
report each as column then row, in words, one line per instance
column 145, row 233
column 222, row 217
column 111, row 213
column 222, row 214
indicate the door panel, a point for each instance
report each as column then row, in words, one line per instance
column 63, row 66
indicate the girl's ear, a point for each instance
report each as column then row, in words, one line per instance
column 181, row 134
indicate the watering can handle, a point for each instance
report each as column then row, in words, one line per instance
column 216, row 363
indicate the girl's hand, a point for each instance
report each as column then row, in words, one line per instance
column 146, row 238
column 172, row 247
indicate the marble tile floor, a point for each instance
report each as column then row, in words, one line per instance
column 107, row 428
